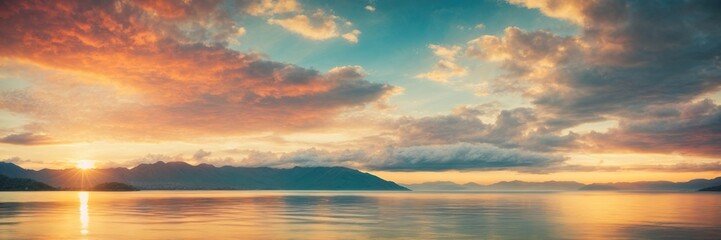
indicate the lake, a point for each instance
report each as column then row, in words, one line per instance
column 358, row 215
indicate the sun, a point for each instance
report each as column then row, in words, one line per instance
column 85, row 164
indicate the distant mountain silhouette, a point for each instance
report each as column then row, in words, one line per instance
column 22, row 184
column 711, row 189
column 440, row 186
column 532, row 186
column 692, row 185
column 598, row 187
column 181, row 175
column 499, row 186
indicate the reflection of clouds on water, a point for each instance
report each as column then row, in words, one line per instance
column 84, row 216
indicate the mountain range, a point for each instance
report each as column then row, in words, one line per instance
column 692, row 185
column 181, row 175
column 499, row 186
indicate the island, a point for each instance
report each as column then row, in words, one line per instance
column 114, row 187
column 711, row 189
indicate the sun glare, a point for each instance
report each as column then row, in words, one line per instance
column 86, row 164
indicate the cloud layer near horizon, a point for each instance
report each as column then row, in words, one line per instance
column 461, row 156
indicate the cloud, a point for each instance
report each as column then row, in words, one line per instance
column 346, row 72
column 630, row 54
column 448, row 53
column 291, row 15
column 677, row 167
column 28, row 139
column 201, row 154
column 681, row 167
column 440, row 129
column 146, row 71
column 480, row 26
column 460, row 156
column 317, row 26
column 441, row 157
column 530, row 58
column 446, row 68
column 370, row 8
column 352, row 36
column 689, row 129
column 512, row 128
column 630, row 59
column 36, row 164
column 270, row 7
column 567, row 10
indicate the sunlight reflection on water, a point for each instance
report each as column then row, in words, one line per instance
column 358, row 215
column 84, row 216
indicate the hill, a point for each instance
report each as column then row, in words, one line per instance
column 711, row 189
column 181, row 175
column 22, row 184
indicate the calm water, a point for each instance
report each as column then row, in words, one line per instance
column 358, row 215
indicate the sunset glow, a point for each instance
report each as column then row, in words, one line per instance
column 360, row 119
column 461, row 91
column 84, row 216
column 85, row 164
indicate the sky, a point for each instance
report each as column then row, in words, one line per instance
column 412, row 91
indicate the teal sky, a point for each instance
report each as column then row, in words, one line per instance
column 393, row 46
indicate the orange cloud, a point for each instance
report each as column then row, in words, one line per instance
column 154, row 69
column 27, row 139
column 352, row 36
column 270, row 7
column 318, row 26
column 563, row 9
column 447, row 67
